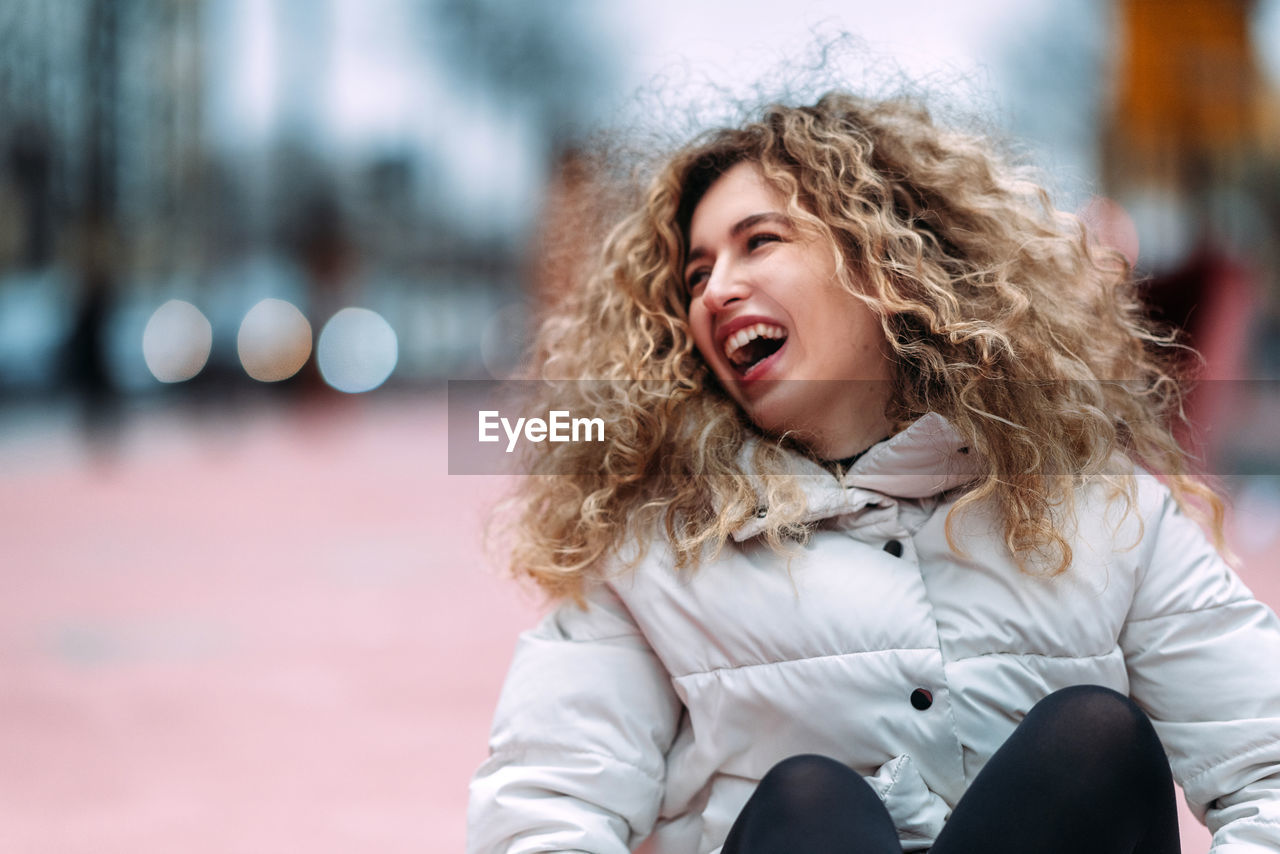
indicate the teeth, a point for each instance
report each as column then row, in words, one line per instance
column 740, row 339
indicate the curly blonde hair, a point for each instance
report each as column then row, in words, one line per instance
column 1002, row 316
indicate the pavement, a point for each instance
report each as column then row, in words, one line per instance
column 269, row 631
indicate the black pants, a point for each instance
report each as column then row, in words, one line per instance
column 1083, row 772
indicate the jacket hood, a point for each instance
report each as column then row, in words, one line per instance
column 927, row 458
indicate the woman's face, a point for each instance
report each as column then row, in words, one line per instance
column 798, row 353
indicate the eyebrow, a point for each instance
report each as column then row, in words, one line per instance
column 747, row 222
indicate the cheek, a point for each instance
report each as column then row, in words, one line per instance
column 700, row 326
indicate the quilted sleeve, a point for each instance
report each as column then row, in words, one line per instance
column 579, row 739
column 1204, row 662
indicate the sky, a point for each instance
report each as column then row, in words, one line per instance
column 729, row 40
column 371, row 76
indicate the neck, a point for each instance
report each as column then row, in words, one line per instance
column 850, row 444
column 843, row 464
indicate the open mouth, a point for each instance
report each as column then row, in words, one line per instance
column 749, row 347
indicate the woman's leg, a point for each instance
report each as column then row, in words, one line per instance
column 813, row 805
column 1084, row 771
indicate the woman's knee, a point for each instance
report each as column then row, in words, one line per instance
column 808, row 779
column 1094, row 708
column 812, row 803
column 809, row 770
column 1111, row 724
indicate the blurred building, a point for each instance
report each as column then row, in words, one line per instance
column 1191, row 148
column 1192, row 136
column 330, row 153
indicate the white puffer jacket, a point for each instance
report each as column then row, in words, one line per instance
column 659, row 708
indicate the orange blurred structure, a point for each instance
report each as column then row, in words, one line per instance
column 1190, row 98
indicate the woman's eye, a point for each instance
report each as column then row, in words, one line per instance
column 695, row 281
column 755, row 241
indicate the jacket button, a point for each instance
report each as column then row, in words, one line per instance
column 894, row 548
column 921, row 699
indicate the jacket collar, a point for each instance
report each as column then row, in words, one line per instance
column 927, row 458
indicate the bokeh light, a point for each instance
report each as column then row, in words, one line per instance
column 274, row 341
column 176, row 341
column 357, row 350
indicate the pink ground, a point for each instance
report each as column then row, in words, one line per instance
column 281, row 637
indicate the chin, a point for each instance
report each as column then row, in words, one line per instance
column 775, row 410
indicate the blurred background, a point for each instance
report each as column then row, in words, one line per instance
column 245, row 243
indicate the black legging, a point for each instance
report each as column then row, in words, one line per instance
column 1083, row 772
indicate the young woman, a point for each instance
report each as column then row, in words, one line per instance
column 872, row 558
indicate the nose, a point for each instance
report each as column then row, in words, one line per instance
column 725, row 286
